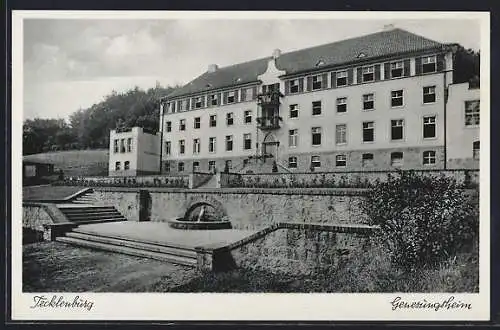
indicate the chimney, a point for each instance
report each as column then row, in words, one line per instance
column 276, row 53
column 212, row 68
column 389, row 27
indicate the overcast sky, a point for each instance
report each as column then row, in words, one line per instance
column 72, row 64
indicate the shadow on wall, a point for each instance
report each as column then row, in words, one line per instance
column 32, row 236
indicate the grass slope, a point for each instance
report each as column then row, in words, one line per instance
column 75, row 162
column 48, row 192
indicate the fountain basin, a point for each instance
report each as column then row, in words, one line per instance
column 181, row 223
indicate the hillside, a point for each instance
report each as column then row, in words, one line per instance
column 75, row 162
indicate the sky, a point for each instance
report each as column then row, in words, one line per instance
column 70, row 64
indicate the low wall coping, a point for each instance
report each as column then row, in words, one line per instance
column 260, row 191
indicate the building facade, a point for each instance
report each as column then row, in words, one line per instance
column 374, row 102
column 134, row 151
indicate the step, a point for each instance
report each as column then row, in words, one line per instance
column 129, row 251
column 76, row 210
column 93, row 215
column 88, row 221
column 134, row 244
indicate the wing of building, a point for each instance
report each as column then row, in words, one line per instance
column 373, row 102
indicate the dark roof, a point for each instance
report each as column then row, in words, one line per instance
column 385, row 43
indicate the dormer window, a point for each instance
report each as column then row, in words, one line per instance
column 198, row 102
column 320, row 63
column 341, row 78
column 361, row 55
column 396, row 69
column 317, row 82
column 368, row 73
column 213, row 99
column 428, row 64
column 294, row 86
column 230, row 97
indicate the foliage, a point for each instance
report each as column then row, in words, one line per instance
column 423, row 219
column 466, row 66
column 89, row 128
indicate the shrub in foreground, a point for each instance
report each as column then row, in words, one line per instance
column 423, row 220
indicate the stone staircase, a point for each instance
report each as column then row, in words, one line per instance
column 260, row 166
column 91, row 214
column 82, row 237
column 88, row 197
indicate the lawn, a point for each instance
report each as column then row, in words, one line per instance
column 57, row 267
column 48, row 192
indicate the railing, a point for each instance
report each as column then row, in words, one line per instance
column 269, row 98
column 269, row 122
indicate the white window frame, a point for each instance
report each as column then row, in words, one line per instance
column 473, row 115
column 429, row 120
column 393, row 160
column 320, row 108
column 214, row 97
column 316, row 130
column 118, row 166
column 196, row 146
column 476, row 151
column 369, row 97
column 341, row 158
column 372, row 128
column 229, row 116
column 341, row 75
column 233, row 95
column 212, row 144
column 198, row 102
column 429, row 158
column 429, row 60
column 430, row 88
column 341, row 101
column 179, row 165
column 397, row 97
column 294, row 83
column 365, row 70
column 182, row 147
column 293, row 138
column 229, row 138
column 210, row 121
column 316, row 159
column 398, row 123
column 317, row 79
column 168, row 148
column 247, row 114
column 197, row 122
column 293, row 107
column 368, row 161
column 211, row 165
column 247, row 137
column 168, row 125
column 292, row 160
column 398, row 65
column 341, row 134
column 182, row 124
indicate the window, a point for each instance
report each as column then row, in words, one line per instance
column 368, row 73
column 316, row 136
column 294, row 110
column 211, row 144
column 213, row 99
column 248, row 116
column 428, row 64
column 396, row 159
column 213, row 121
column 122, row 145
column 472, row 113
column 196, row 146
column 341, row 78
column 117, row 166
column 229, row 164
column 294, row 86
column 247, row 141
column 342, row 104
column 180, row 167
column 316, row 108
column 341, row 134
column 396, row 69
column 475, row 150
column 368, row 131
column 229, row 142
column 126, row 165
column 230, row 97
column 341, row 161
column 182, row 125
column 397, row 129
column 368, row 103
column 196, row 166
column 367, row 160
column 397, row 98
column 293, row 135
column 211, row 165
column 315, row 161
column 197, row 122
column 168, row 127
column 292, row 162
column 229, row 119
column 317, row 82
column 168, row 148
column 182, row 147
column 429, row 94
column 429, row 157
column 248, row 93
column 429, row 127
column 181, row 105
column 198, row 102
column 167, row 167
column 116, row 145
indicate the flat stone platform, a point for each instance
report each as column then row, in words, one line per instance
column 162, row 233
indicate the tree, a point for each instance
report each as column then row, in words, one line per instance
column 466, row 66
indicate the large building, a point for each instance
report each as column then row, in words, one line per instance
column 373, row 102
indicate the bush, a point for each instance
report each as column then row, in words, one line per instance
column 423, row 220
